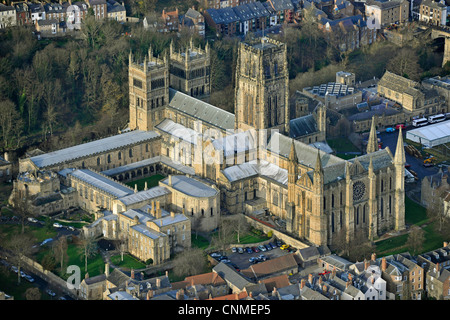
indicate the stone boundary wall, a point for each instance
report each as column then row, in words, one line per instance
column 49, row 277
column 277, row 234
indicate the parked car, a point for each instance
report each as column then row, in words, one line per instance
column 32, row 220
column 71, row 228
column 279, row 243
column 284, row 247
column 215, row 255
column 407, row 165
column 253, row 260
column 428, row 164
column 14, row 268
column 268, row 247
column 255, row 249
column 400, row 125
column 273, row 245
column 22, row 274
column 240, row 250
column 390, row 129
column 46, row 241
column 262, row 248
column 29, row 278
column 248, row 250
column 50, row 293
column 234, row 249
column 262, row 257
column 57, row 225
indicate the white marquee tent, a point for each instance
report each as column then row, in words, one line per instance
column 431, row 135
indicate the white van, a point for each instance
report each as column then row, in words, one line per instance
column 436, row 118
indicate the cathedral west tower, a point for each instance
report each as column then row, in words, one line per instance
column 149, row 91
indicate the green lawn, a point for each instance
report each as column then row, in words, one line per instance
column 198, row 241
column 151, row 182
column 414, row 212
column 128, row 262
column 342, row 145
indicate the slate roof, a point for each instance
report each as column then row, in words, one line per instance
column 190, row 186
column 254, row 168
column 201, row 110
column 306, row 155
column 94, row 147
column 302, row 126
column 231, row 276
column 144, row 195
column 101, row 182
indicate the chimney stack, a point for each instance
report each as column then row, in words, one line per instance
column 153, row 208
column 132, row 273
column 158, row 210
column 310, row 278
column 170, row 180
column 366, row 264
column 172, row 214
column 374, row 256
column 302, row 283
column 145, row 188
column 383, row 264
column 445, row 244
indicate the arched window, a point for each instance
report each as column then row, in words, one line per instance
column 332, row 200
column 203, row 212
column 130, row 152
column 109, row 158
column 332, row 222
column 98, row 161
column 119, row 155
column 381, row 207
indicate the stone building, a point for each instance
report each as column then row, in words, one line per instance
column 262, row 86
column 386, row 13
column 415, row 99
column 246, row 162
column 433, row 12
column 190, row 70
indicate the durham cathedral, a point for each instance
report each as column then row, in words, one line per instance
column 261, row 160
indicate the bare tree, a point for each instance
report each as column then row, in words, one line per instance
column 240, row 224
column 415, row 241
column 224, row 236
column 189, row 262
column 21, row 246
column 60, row 251
column 89, row 246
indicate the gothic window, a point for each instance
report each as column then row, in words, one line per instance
column 381, row 207
column 130, row 152
column 332, row 222
column 109, row 158
column 275, row 68
column 324, row 203
column 390, row 204
column 211, row 211
column 119, row 155
column 203, row 212
column 357, row 215
column 364, row 214
column 340, row 219
column 98, row 161
column 332, row 200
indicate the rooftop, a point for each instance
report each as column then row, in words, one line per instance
column 94, row 147
column 190, row 186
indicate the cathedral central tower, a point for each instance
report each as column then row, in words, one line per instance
column 262, row 86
